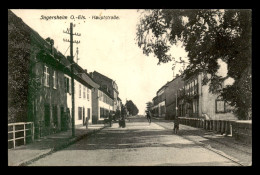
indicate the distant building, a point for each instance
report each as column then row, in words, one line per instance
column 107, row 85
column 161, row 101
column 171, row 96
column 102, row 105
column 155, row 107
column 193, row 100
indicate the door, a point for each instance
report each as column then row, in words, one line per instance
column 84, row 116
column 88, row 114
column 47, row 115
column 62, row 118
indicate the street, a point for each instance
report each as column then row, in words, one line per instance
column 139, row 144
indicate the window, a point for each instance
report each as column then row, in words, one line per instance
column 220, row 106
column 67, row 85
column 102, row 112
column 195, row 106
column 223, row 107
column 46, row 76
column 84, row 92
column 54, row 80
column 88, row 94
column 79, row 90
column 196, row 86
column 79, row 113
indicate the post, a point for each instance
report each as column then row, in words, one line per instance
column 72, row 80
column 24, row 133
column 14, row 135
column 176, row 106
column 32, row 125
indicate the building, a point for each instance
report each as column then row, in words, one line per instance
column 83, row 87
column 107, row 85
column 48, row 82
column 195, row 100
column 102, row 105
column 161, row 101
column 171, row 96
column 155, row 110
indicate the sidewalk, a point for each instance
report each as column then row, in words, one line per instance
column 225, row 145
column 24, row 154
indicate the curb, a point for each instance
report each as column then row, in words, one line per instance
column 62, row 146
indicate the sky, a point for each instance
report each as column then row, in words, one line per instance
column 108, row 46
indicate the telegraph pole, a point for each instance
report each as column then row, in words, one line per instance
column 70, row 32
column 176, row 105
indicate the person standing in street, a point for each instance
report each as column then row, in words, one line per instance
column 110, row 119
column 86, row 122
column 148, row 115
column 176, row 125
column 123, row 114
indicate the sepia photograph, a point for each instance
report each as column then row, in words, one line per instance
column 129, row 87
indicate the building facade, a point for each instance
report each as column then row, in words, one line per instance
column 195, row 100
column 108, row 85
column 161, row 101
column 102, row 105
column 48, row 102
column 171, row 96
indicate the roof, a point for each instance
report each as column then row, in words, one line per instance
column 95, row 72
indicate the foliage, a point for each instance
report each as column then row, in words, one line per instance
column 23, row 83
column 131, row 107
column 18, row 69
column 149, row 106
column 207, row 35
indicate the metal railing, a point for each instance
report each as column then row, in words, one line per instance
column 20, row 128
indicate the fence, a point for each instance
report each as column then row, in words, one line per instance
column 240, row 130
column 18, row 133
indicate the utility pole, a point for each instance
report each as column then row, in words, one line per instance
column 176, row 105
column 70, row 32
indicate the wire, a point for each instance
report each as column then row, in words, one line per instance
column 66, row 50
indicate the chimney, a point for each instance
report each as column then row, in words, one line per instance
column 177, row 75
column 86, row 70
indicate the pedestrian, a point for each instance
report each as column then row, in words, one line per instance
column 87, row 121
column 110, row 119
column 176, row 125
column 123, row 114
column 148, row 115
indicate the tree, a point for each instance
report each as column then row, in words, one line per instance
column 131, row 107
column 149, row 106
column 207, row 36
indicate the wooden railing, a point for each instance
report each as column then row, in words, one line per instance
column 20, row 129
